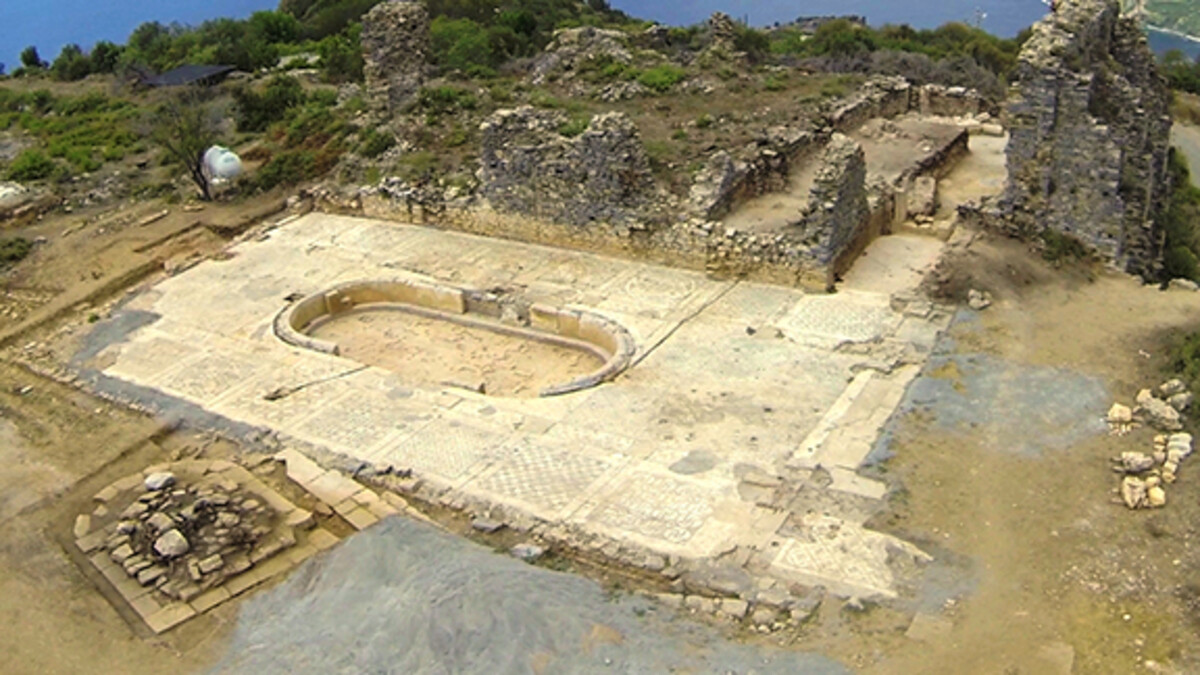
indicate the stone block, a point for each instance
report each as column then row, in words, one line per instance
column 170, row 616
column 361, row 518
column 83, row 525
column 322, row 539
column 209, row 599
column 333, row 488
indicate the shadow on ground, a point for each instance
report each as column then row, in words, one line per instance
column 402, row 597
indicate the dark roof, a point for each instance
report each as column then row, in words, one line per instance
column 188, row 75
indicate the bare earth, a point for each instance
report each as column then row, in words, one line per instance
column 431, row 351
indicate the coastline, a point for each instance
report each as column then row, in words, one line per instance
column 1173, row 33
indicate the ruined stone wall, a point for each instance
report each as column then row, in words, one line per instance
column 1089, row 136
column 837, row 206
column 395, row 44
column 879, row 97
column 935, row 99
column 601, row 176
column 765, row 167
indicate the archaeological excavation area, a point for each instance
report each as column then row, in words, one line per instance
column 840, row 396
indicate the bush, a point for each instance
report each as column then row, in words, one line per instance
column 341, row 56
column 375, row 143
column 662, row 78
column 31, row 165
column 461, row 44
column 255, row 112
column 704, row 121
column 71, row 65
column 287, row 168
column 14, row 250
column 1185, row 360
column 445, row 100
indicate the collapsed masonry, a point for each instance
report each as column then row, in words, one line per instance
column 1089, row 138
column 844, row 178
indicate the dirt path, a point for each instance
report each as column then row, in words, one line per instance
column 991, row 473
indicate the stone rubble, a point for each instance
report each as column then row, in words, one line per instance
column 185, row 538
column 1145, row 475
column 979, row 300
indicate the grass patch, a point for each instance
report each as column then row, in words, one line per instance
column 661, row 78
column 14, row 250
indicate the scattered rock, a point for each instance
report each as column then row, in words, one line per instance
column 527, row 552
column 1120, row 414
column 1133, row 492
column 1157, row 412
column 486, row 525
column 1183, row 285
column 1134, row 462
column 159, row 481
column 122, row 553
column 1156, row 497
column 1171, row 387
column 1181, row 401
column 978, row 300
column 171, row 544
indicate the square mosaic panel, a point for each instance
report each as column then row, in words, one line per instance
column 359, row 420
column 542, row 476
column 146, row 358
column 202, row 379
column 656, row 506
column 840, row 551
column 840, row 318
column 446, row 447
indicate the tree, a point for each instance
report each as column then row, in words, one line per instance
column 71, row 65
column 31, row 59
column 185, row 127
column 105, row 56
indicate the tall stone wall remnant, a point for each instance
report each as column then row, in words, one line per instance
column 601, row 176
column 395, row 44
column 1089, row 137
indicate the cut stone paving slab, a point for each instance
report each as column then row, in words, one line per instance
column 594, row 466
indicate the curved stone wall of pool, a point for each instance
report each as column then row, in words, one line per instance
column 507, row 314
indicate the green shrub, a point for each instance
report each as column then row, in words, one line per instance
column 14, row 250
column 679, row 135
column 31, row 165
column 375, row 143
column 417, row 164
column 445, row 99
column 774, row 84
column 1185, row 360
column 1060, row 247
column 254, row 111
column 661, row 78
column 458, row 136
column 704, row 121
column 286, row 168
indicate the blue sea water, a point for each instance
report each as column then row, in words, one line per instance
column 50, row 24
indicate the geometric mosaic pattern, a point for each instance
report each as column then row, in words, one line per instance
column 445, row 447
column 543, row 477
column 833, row 317
column 660, row 507
column 842, row 552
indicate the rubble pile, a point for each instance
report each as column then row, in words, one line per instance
column 1145, row 475
column 185, row 539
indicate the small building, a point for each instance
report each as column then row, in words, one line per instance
column 205, row 76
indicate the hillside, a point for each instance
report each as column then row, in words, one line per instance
column 1177, row 15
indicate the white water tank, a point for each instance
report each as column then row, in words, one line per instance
column 222, row 164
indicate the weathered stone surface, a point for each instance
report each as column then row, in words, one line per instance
column 1120, row 414
column 210, row 564
column 528, row 167
column 837, row 206
column 1171, row 387
column 573, row 47
column 1181, row 401
column 395, row 43
column 922, row 198
column 159, row 481
column 171, row 544
column 1089, row 135
column 1158, row 413
column 527, row 552
column 160, row 521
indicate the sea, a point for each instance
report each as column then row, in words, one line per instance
column 50, row 24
